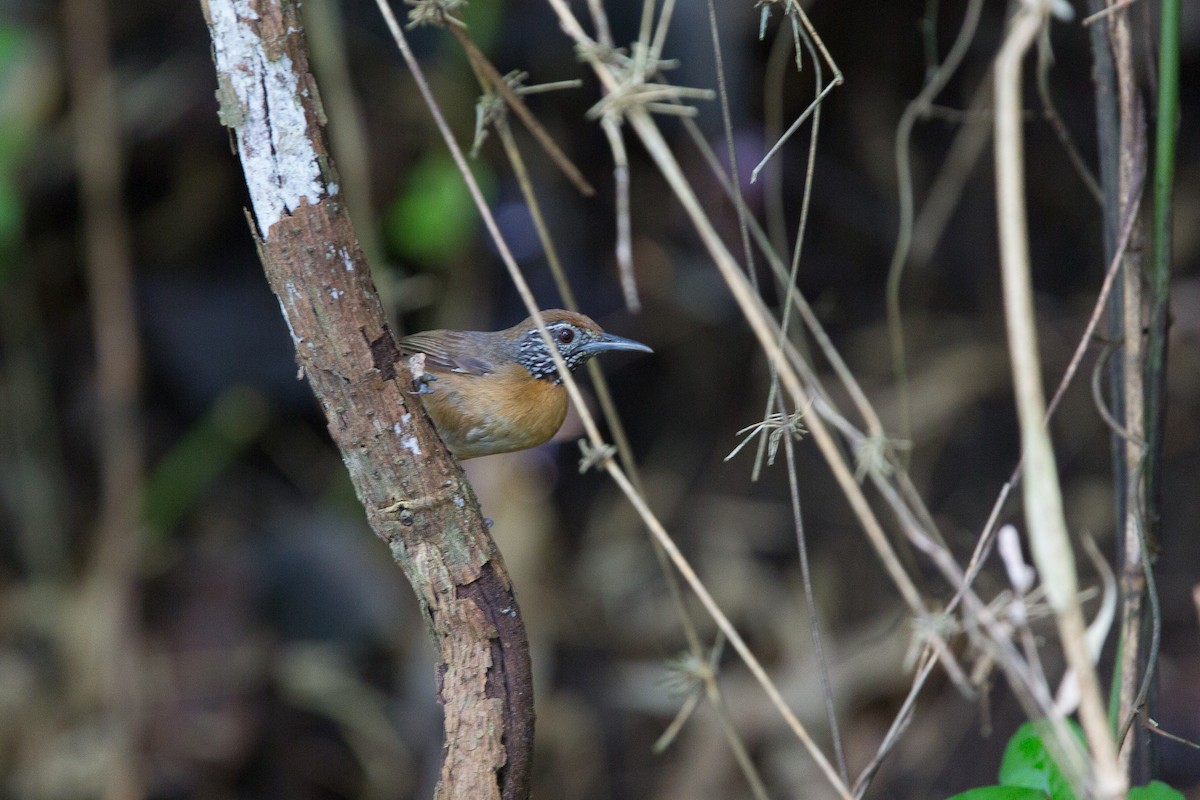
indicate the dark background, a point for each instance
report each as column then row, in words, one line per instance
column 280, row 652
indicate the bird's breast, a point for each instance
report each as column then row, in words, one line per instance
column 502, row 411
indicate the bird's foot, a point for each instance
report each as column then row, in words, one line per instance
column 422, row 381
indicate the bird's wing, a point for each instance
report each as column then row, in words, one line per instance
column 448, row 351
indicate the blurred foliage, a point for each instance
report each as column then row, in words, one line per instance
column 426, row 221
column 485, row 21
column 201, row 456
column 15, row 132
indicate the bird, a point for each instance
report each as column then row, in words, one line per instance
column 491, row 392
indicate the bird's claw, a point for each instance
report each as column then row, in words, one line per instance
column 422, row 381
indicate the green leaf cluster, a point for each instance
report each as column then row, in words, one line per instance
column 1028, row 772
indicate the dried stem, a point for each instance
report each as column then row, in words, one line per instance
column 480, row 62
column 1043, row 499
column 916, row 109
column 1130, row 168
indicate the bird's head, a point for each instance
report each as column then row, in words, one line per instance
column 578, row 338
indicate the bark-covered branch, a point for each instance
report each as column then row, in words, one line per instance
column 415, row 495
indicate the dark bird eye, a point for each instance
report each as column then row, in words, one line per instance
column 566, row 336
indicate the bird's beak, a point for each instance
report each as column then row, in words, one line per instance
column 608, row 341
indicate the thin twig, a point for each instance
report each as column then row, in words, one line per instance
column 1050, row 112
column 668, row 736
column 1118, row 5
column 899, row 725
column 772, row 190
column 915, row 109
column 730, row 144
column 725, row 719
column 1098, row 307
column 660, row 32
column 600, row 18
column 944, row 193
column 481, row 62
column 791, row 130
column 730, row 632
column 810, row 603
column 805, row 203
column 611, row 125
column 1154, row 727
column 829, row 450
column 794, row 7
column 811, row 321
column 1114, row 425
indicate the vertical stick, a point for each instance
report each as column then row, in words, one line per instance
column 1043, row 497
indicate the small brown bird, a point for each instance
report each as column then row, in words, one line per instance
column 495, row 392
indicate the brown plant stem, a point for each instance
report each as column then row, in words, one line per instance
column 480, row 62
column 1130, row 168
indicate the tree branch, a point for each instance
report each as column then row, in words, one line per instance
column 414, row 493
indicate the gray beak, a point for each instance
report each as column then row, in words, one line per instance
column 608, row 342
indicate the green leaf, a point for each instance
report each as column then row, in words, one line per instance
column 12, row 211
column 1155, row 790
column 1027, row 763
column 434, row 219
column 1001, row 793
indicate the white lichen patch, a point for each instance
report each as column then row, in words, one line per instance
column 348, row 261
column 410, row 444
column 280, row 163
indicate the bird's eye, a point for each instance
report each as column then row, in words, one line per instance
column 566, row 336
